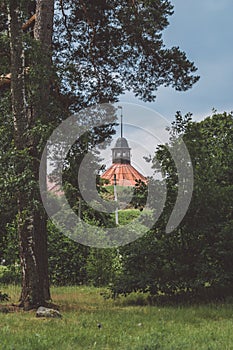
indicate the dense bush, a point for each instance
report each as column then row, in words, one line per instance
column 195, row 259
column 67, row 259
column 10, row 274
column 103, row 266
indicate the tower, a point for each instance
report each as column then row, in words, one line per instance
column 121, row 152
column 121, row 168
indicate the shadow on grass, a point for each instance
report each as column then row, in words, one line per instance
column 200, row 297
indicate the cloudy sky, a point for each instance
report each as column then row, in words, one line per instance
column 203, row 29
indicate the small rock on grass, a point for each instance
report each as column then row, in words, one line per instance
column 46, row 312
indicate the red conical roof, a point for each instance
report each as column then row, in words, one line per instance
column 126, row 175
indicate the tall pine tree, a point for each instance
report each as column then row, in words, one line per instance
column 93, row 53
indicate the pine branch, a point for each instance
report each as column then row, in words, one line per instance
column 29, row 23
column 65, row 20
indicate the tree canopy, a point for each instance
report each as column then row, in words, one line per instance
column 104, row 48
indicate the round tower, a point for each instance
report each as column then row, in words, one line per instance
column 121, row 152
column 121, row 171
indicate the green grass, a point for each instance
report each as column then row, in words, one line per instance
column 123, row 327
column 127, row 215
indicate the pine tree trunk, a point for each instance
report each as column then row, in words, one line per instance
column 31, row 215
column 43, row 32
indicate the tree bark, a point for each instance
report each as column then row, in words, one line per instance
column 30, row 277
column 32, row 220
column 43, row 32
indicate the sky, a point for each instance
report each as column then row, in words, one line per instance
column 203, row 30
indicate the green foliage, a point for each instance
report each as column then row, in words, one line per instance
column 140, row 195
column 103, row 265
column 67, row 259
column 100, row 50
column 8, row 179
column 127, row 51
column 196, row 258
column 10, row 274
column 127, row 215
column 9, row 251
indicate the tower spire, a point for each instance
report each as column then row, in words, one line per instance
column 121, row 151
column 121, row 125
column 120, row 107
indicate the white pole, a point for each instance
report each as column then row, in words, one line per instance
column 120, row 107
column 79, row 209
column 115, row 196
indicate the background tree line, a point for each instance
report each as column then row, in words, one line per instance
column 196, row 259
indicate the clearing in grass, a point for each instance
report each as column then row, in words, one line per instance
column 91, row 322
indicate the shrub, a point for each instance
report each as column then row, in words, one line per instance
column 67, row 259
column 103, row 266
column 10, row 274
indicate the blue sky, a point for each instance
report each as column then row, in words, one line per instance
column 203, row 29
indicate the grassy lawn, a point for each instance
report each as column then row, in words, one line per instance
column 124, row 327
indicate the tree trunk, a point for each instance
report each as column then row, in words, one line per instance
column 31, row 215
column 43, row 32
